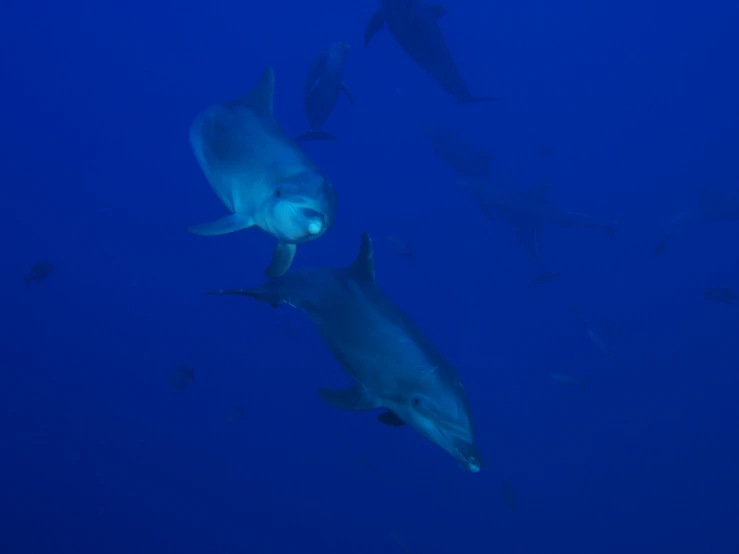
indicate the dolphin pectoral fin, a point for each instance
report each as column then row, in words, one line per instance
column 347, row 92
column 376, row 23
column 282, row 259
column 315, row 135
column 437, row 10
column 226, row 224
column 390, row 419
column 363, row 268
column 352, row 398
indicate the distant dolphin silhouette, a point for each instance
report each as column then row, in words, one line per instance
column 324, row 83
column 414, row 25
column 528, row 212
column 713, row 205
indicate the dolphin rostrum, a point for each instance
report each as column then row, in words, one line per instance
column 322, row 87
column 393, row 364
column 528, row 211
column 414, row 24
column 261, row 175
column 713, row 205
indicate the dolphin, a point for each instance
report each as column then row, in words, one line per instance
column 713, row 205
column 393, row 364
column 414, row 24
column 322, row 87
column 261, row 175
column 528, row 212
column 465, row 158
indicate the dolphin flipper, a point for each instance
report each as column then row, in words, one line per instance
column 226, row 224
column 390, row 419
column 363, row 268
column 376, row 23
column 282, row 259
column 347, row 92
column 315, row 135
column 352, row 398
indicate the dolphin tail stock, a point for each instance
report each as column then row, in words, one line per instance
column 222, row 226
column 476, row 99
column 375, row 24
column 315, row 135
column 28, row 281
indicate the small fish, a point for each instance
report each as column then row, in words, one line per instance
column 720, row 295
column 181, row 377
column 401, row 248
column 235, row 413
column 38, row 273
column 567, row 379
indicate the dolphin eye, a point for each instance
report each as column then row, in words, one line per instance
column 415, row 402
column 278, row 192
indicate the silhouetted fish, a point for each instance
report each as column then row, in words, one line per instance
column 38, row 272
column 720, row 295
column 235, row 413
column 181, row 377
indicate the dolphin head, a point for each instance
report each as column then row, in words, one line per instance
column 444, row 417
column 300, row 209
column 337, row 53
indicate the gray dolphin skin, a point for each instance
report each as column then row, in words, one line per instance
column 465, row 158
column 261, row 175
column 323, row 86
column 393, row 364
column 414, row 24
column 528, row 212
column 713, row 205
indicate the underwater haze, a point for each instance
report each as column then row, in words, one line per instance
column 552, row 196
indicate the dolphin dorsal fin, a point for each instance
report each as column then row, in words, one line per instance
column 261, row 97
column 363, row 268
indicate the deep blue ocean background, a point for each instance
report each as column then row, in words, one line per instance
column 637, row 102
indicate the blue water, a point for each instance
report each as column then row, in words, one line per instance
column 637, row 102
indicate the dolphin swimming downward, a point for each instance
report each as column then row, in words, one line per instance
column 393, row 364
column 714, row 204
column 528, row 212
column 323, row 85
column 261, row 175
column 414, row 25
